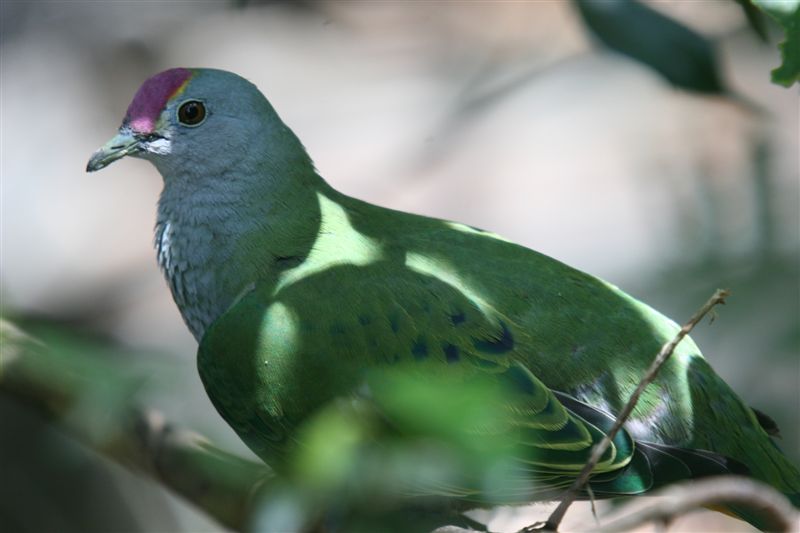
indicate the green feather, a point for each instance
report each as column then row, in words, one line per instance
column 381, row 288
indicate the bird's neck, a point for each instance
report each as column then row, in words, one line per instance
column 217, row 237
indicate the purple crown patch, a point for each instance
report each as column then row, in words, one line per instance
column 152, row 96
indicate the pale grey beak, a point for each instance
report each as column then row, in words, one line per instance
column 126, row 142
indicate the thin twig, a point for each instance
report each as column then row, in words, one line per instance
column 681, row 498
column 554, row 520
column 591, row 501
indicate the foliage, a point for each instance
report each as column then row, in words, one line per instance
column 81, row 383
column 682, row 56
column 787, row 14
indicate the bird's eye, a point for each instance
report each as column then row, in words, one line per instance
column 192, row 113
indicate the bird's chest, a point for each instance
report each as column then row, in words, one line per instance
column 194, row 261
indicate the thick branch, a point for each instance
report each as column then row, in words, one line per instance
column 666, row 351
column 681, row 498
column 219, row 483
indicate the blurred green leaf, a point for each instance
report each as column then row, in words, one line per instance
column 281, row 509
column 787, row 14
column 682, row 56
column 446, row 438
column 89, row 386
column 404, row 455
column 755, row 18
column 332, row 443
column 93, row 381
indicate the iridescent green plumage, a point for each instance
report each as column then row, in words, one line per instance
column 379, row 288
column 301, row 295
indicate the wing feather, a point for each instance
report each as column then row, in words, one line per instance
column 276, row 358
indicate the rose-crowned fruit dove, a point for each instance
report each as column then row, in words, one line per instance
column 297, row 292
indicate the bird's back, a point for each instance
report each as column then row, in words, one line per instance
column 585, row 337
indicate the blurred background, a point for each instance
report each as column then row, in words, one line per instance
column 517, row 117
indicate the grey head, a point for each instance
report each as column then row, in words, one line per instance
column 233, row 172
column 200, row 122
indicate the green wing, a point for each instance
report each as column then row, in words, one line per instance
column 277, row 357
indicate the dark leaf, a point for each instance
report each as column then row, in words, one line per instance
column 755, row 19
column 682, row 56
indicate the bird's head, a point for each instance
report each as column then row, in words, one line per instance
column 186, row 119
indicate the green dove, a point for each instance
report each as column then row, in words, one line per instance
column 299, row 294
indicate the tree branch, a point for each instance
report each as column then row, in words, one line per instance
column 681, row 498
column 571, row 494
column 217, row 482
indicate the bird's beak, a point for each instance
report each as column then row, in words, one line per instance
column 126, row 142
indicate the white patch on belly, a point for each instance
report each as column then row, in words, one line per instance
column 164, row 236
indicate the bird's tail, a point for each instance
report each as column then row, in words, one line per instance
column 748, row 438
column 773, row 468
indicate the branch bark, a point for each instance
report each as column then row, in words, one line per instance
column 663, row 355
column 681, row 498
column 221, row 484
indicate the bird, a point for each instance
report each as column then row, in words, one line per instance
column 298, row 295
